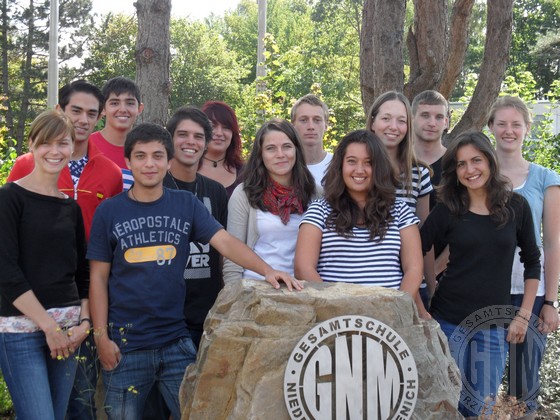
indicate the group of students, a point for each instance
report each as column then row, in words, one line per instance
column 155, row 252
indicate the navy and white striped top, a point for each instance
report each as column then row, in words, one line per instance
column 357, row 259
column 421, row 186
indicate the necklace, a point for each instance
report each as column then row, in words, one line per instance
column 195, row 192
column 214, row 162
column 132, row 194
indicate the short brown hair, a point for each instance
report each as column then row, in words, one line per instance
column 429, row 97
column 313, row 100
column 50, row 125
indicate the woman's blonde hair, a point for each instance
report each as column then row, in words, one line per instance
column 510, row 102
column 49, row 125
column 406, row 159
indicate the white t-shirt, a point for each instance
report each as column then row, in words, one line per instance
column 277, row 242
column 318, row 169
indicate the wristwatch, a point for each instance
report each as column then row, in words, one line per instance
column 553, row 303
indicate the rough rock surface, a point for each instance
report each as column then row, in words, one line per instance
column 252, row 330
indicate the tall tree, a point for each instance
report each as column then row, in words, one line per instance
column 152, row 58
column 534, row 21
column 202, row 66
column 493, row 68
column 6, row 45
column 381, row 48
column 24, row 69
column 111, row 50
column 436, row 47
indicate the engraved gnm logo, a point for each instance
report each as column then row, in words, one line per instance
column 351, row 367
column 484, row 370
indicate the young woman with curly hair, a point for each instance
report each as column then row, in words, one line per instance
column 264, row 211
column 482, row 222
column 359, row 233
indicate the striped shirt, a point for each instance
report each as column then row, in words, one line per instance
column 421, row 186
column 358, row 259
column 128, row 179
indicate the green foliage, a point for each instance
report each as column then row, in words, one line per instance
column 202, row 66
column 7, row 160
column 533, row 20
column 6, row 406
column 7, row 157
column 25, row 54
column 523, row 85
column 111, row 49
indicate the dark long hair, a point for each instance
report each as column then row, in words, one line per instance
column 455, row 196
column 381, row 197
column 255, row 175
column 220, row 112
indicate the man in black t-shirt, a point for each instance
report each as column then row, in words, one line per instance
column 430, row 112
column 429, row 121
column 191, row 131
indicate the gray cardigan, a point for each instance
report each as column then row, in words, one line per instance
column 242, row 223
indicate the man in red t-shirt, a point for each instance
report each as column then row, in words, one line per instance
column 122, row 108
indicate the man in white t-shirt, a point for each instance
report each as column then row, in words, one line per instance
column 310, row 117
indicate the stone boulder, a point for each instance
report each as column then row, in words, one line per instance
column 252, row 330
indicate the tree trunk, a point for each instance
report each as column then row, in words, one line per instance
column 496, row 54
column 26, row 75
column 427, row 46
column 381, row 48
column 152, row 58
column 458, row 43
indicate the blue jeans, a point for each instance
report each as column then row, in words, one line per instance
column 129, row 384
column 525, row 360
column 481, row 361
column 39, row 386
column 82, row 399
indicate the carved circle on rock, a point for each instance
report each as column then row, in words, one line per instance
column 351, row 367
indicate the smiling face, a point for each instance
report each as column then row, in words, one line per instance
column 52, row 157
column 357, row 171
column 221, row 139
column 122, row 111
column 391, row 123
column 83, row 111
column 279, row 156
column 149, row 164
column 189, row 142
column 509, row 129
column 473, row 168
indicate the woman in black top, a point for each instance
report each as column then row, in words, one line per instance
column 482, row 221
column 43, row 277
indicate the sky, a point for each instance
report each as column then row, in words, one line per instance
column 195, row 9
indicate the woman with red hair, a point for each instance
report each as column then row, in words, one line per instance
column 222, row 161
